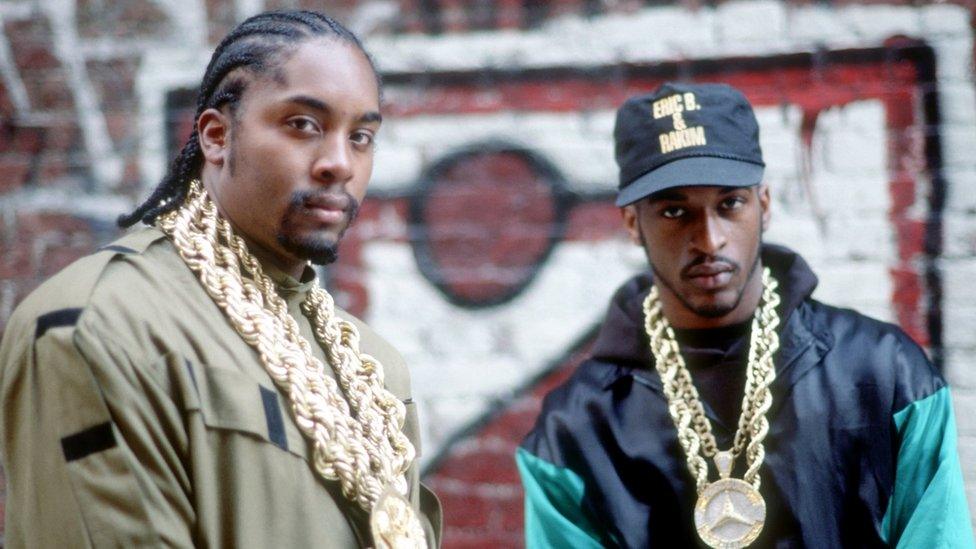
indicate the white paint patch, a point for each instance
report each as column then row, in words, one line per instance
column 189, row 19
column 246, row 8
column 103, row 207
column 105, row 163
column 476, row 356
column 11, row 76
column 579, row 146
column 750, row 28
column 162, row 71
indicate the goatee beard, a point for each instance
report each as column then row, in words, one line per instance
column 319, row 251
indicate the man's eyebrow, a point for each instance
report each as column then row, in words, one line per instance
column 319, row 105
column 309, row 102
column 371, row 116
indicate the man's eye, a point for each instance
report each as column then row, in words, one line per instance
column 733, row 202
column 673, row 212
column 303, row 124
column 362, row 138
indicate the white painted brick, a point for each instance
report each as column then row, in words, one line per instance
column 866, row 287
column 811, row 25
column 849, row 142
column 395, row 167
column 954, row 56
column 960, row 368
column 779, row 137
column 837, row 238
column 967, row 459
column 491, row 350
column 961, row 188
column 964, row 403
column 958, row 144
column 750, row 21
column 957, row 100
column 958, row 277
column 442, row 416
column 881, row 22
column 960, row 239
column 958, row 322
column 675, row 31
column 945, row 19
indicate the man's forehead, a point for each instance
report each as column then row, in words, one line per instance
column 342, row 80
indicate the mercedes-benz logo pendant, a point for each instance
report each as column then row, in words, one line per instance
column 730, row 513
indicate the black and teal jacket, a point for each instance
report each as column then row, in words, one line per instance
column 861, row 450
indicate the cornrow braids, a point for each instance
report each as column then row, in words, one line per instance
column 258, row 45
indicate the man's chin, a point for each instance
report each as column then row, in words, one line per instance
column 713, row 305
column 320, row 251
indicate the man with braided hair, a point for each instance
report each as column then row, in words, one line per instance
column 722, row 405
column 191, row 384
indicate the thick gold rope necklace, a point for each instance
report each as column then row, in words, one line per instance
column 730, row 512
column 355, row 425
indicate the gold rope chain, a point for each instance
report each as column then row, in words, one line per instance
column 684, row 405
column 356, row 432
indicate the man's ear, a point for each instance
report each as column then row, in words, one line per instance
column 764, row 202
column 213, row 131
column 629, row 215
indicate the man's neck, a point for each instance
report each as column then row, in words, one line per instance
column 293, row 268
column 289, row 265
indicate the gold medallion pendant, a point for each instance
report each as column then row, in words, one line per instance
column 730, row 513
column 394, row 524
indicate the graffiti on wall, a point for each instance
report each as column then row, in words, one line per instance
column 489, row 245
column 502, row 250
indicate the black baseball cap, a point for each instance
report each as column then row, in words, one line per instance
column 686, row 134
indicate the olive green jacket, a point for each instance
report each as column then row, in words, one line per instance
column 132, row 414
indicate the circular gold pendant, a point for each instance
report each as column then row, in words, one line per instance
column 394, row 524
column 730, row 513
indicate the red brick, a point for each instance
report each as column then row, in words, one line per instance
column 493, row 467
column 466, row 511
column 16, row 257
column 13, row 171
column 30, row 43
column 594, row 222
column 114, row 81
column 49, row 90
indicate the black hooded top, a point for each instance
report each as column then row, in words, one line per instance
column 856, row 406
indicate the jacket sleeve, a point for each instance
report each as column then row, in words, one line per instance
column 91, row 446
column 928, row 504
column 554, row 516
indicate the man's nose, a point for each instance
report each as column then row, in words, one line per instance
column 711, row 234
column 334, row 162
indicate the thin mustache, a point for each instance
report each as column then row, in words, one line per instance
column 299, row 198
column 717, row 259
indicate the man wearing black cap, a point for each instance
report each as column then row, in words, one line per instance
column 722, row 404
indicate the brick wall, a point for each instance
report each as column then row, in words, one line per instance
column 489, row 246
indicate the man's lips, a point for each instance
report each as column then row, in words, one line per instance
column 708, row 269
column 328, row 208
column 710, row 276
